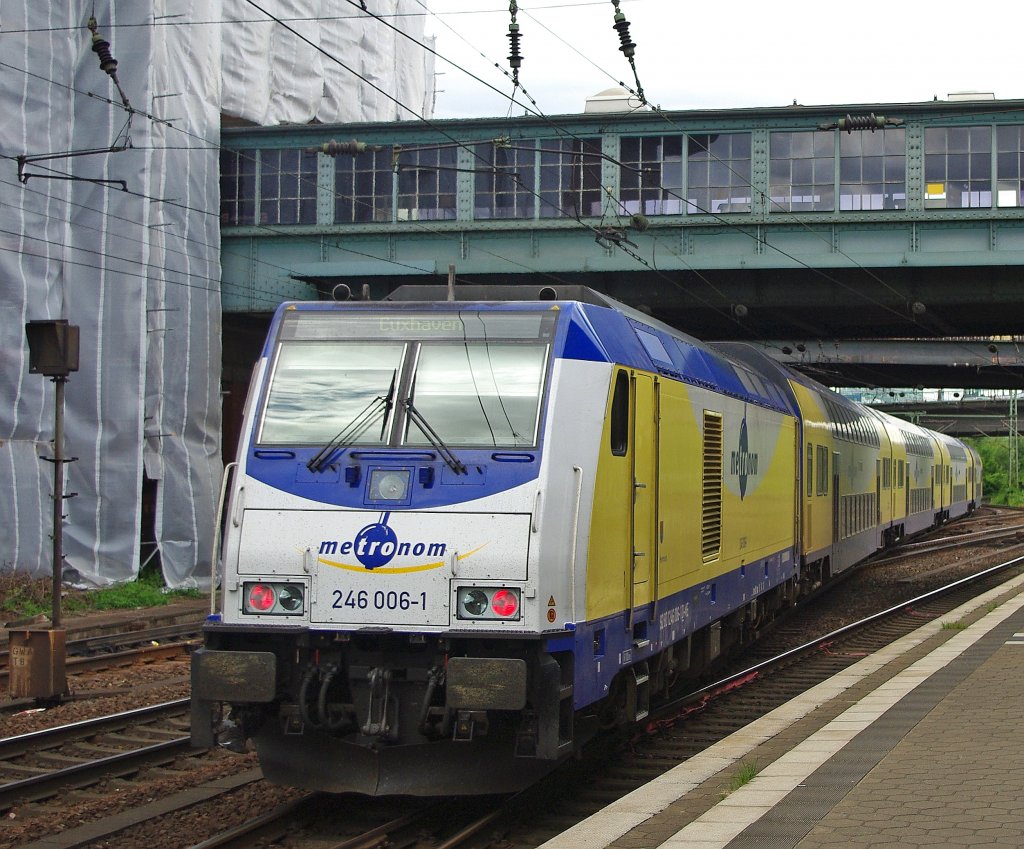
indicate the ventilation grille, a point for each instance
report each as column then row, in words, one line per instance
column 711, row 489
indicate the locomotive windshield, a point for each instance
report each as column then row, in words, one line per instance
column 476, row 378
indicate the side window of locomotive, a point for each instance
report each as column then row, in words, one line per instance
column 619, row 428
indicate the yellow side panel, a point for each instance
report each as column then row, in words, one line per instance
column 609, row 554
column 679, row 484
column 758, row 496
column 760, row 485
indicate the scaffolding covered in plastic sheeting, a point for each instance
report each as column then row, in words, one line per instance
column 327, row 61
column 134, row 263
column 131, row 254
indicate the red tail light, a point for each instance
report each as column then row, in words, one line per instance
column 505, row 603
column 261, row 597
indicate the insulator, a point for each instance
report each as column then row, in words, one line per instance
column 515, row 59
column 101, row 47
column 622, row 26
column 334, row 148
column 862, row 122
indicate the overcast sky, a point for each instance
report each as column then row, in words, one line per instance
column 728, row 54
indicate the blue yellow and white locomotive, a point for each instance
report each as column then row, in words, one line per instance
column 465, row 534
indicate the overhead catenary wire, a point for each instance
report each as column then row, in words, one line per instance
column 731, row 224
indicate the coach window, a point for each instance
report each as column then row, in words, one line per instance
column 957, row 167
column 822, row 485
column 620, row 415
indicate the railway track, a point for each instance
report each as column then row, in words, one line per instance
column 612, row 768
column 305, row 823
column 40, row 764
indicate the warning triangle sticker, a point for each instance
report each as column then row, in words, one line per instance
column 551, row 601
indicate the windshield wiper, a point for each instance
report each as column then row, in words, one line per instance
column 354, row 429
column 454, row 463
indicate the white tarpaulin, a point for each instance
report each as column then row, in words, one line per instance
column 135, row 263
column 326, row 60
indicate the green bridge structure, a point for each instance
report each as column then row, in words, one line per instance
column 831, row 235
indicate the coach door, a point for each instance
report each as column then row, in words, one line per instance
column 837, row 502
column 644, row 423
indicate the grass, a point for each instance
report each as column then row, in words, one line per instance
column 744, row 775
column 953, row 626
column 22, row 597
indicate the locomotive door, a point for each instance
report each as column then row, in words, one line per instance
column 644, row 519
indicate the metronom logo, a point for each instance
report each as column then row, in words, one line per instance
column 742, row 462
column 377, row 545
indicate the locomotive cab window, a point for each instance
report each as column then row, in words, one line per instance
column 478, row 393
column 474, row 379
column 319, row 389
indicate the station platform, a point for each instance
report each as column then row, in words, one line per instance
column 921, row 744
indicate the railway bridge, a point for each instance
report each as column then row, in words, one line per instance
column 817, row 229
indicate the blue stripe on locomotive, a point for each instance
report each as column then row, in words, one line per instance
column 608, row 644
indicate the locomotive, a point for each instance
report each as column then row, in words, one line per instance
column 465, row 533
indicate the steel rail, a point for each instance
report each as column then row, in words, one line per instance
column 47, row 738
column 48, row 783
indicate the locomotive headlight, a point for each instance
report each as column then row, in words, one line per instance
column 473, row 602
column 274, row 598
column 492, row 603
column 389, row 484
column 290, row 598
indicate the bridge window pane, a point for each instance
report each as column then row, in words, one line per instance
column 1010, row 166
column 570, row 177
column 872, row 170
column 651, row 177
column 238, row 187
column 362, row 187
column 288, row 187
column 958, row 167
column 718, row 173
column 802, row 171
column 505, row 180
column 426, row 183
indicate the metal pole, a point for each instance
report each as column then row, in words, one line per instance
column 58, row 497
